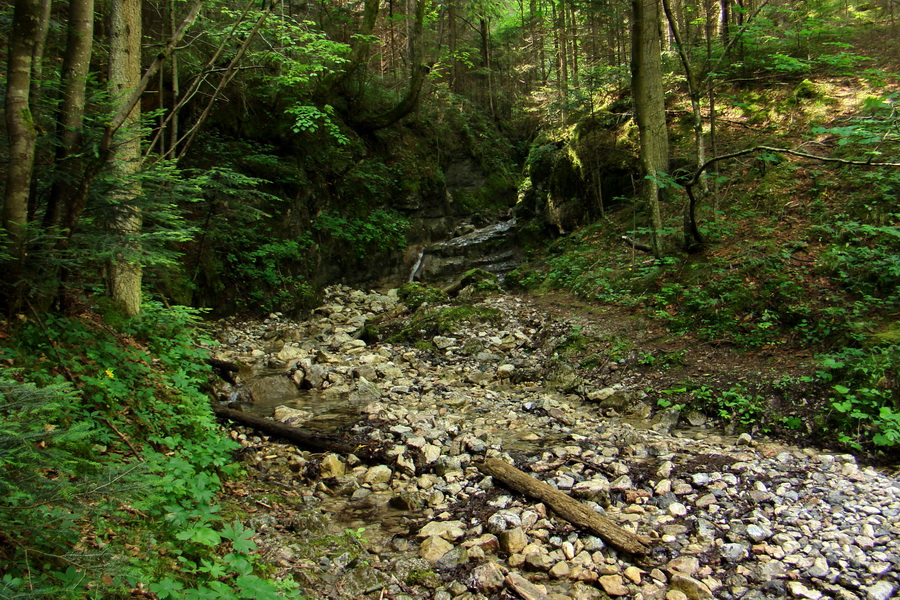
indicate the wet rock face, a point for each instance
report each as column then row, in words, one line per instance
column 492, row 248
column 728, row 517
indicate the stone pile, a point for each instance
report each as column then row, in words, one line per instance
column 728, row 517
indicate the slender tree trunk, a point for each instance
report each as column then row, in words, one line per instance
column 37, row 56
column 453, row 45
column 124, row 269
column 176, row 88
column 691, row 233
column 69, row 124
column 20, row 124
column 650, row 110
column 573, row 24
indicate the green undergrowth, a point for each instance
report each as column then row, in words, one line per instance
column 440, row 320
column 766, row 295
column 112, row 463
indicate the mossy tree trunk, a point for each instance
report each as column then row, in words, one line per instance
column 650, row 110
column 124, row 268
column 20, row 124
column 70, row 120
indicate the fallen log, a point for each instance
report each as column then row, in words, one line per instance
column 525, row 589
column 299, row 437
column 565, row 506
column 224, row 369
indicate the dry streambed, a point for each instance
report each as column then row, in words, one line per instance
column 727, row 517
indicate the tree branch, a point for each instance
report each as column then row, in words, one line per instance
column 120, row 117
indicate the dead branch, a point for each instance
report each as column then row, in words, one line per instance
column 565, row 506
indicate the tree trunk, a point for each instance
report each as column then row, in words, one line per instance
column 691, row 233
column 69, row 123
column 418, row 73
column 37, row 55
column 19, row 121
column 650, row 110
column 453, row 46
column 124, row 269
column 564, row 506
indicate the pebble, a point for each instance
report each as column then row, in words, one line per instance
column 761, row 520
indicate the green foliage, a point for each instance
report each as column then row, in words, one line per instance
column 265, row 274
column 310, row 118
column 377, row 233
column 479, row 281
column 143, row 510
column 414, row 295
column 865, row 258
column 865, row 396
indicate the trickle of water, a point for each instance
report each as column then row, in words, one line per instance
column 418, row 265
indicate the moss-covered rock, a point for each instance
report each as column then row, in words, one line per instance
column 415, row 295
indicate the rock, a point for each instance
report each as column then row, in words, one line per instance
column 365, row 392
column 664, row 420
column 798, row 590
column 487, row 578
column 883, row 590
column 734, row 552
column 537, row 561
column 292, row 416
column 448, row 530
column 693, row 589
column 677, row 509
column 378, row 474
column 434, row 548
column 513, row 541
column 560, row 570
column 633, row 574
column 622, row 483
column 430, row 453
column 408, row 501
column 505, row 371
column 331, row 466
column 758, row 533
column 685, row 565
column 454, row 558
column 819, row 568
column 613, row 585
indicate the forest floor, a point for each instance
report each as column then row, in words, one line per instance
column 568, row 392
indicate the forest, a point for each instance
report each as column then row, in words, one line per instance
column 726, row 169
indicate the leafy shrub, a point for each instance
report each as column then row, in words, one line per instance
column 866, row 400
column 377, row 233
column 126, row 464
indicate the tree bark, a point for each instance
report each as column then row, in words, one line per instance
column 294, row 435
column 691, row 234
column 70, row 120
column 564, row 506
column 650, row 110
column 20, row 121
column 418, row 73
column 124, row 269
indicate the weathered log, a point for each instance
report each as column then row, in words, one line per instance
column 565, row 506
column 524, row 588
column 224, row 369
column 299, row 437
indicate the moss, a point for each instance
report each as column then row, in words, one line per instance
column 415, row 295
column 889, row 334
column 806, row 90
column 481, row 281
column 444, row 320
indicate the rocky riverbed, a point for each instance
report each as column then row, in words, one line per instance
column 727, row 516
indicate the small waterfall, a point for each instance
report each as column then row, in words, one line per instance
column 418, row 265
